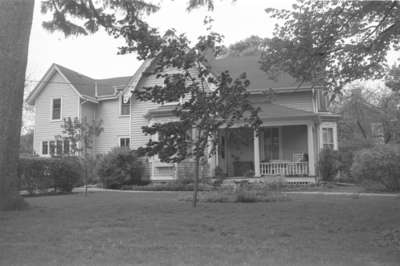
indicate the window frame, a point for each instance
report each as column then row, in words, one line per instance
column 378, row 137
column 52, row 145
column 52, row 109
column 124, row 138
column 68, row 150
column 328, row 144
column 121, row 105
column 45, row 143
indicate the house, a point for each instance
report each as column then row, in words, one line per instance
column 361, row 122
column 296, row 123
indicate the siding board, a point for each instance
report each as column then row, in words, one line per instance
column 45, row 129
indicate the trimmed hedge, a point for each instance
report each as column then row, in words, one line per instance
column 120, row 167
column 380, row 164
column 38, row 175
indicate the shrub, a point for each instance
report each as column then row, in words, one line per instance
column 246, row 194
column 329, row 164
column 33, row 175
column 347, row 151
column 40, row 174
column 120, row 167
column 379, row 164
column 66, row 173
column 219, row 175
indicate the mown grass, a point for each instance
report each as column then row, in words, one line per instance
column 147, row 228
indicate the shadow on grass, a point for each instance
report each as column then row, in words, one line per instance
column 244, row 194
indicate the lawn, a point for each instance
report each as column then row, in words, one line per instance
column 111, row 228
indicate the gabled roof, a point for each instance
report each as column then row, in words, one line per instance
column 83, row 84
column 86, row 87
column 259, row 80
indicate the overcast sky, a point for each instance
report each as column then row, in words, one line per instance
column 96, row 55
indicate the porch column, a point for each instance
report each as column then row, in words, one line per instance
column 256, row 155
column 310, row 145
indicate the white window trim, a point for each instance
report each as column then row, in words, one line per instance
column 48, row 148
column 51, row 109
column 120, row 107
column 124, row 137
column 334, row 132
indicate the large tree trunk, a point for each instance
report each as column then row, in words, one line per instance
column 15, row 26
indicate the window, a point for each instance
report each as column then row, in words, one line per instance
column 45, row 147
column 66, row 146
column 52, row 145
column 377, row 133
column 124, row 142
column 59, row 147
column 56, row 109
column 222, row 147
column 125, row 106
column 327, row 138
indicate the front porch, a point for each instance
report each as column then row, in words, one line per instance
column 287, row 150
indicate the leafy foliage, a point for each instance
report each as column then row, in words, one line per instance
column 328, row 164
column 209, row 100
column 83, row 133
column 120, row 167
column 26, row 143
column 81, row 136
column 330, row 43
column 252, row 45
column 392, row 79
column 40, row 174
column 379, row 164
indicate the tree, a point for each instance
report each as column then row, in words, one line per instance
column 392, row 79
column 253, row 45
column 80, row 137
column 331, row 43
column 15, row 21
column 206, row 102
column 26, row 143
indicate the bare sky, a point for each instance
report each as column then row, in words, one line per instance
column 96, row 55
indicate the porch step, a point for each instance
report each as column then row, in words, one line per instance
column 300, row 180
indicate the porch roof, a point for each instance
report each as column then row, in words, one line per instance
column 272, row 111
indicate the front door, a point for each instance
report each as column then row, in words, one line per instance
column 271, row 143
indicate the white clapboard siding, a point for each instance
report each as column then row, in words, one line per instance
column 297, row 100
column 139, row 109
column 114, row 125
column 45, row 128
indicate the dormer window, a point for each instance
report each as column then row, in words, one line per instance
column 56, row 109
column 125, row 106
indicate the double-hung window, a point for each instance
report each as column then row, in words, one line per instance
column 125, row 106
column 66, row 146
column 52, row 145
column 327, row 138
column 56, row 109
column 124, row 142
column 59, row 146
column 45, row 147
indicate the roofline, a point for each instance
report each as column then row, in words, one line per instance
column 132, row 84
column 44, row 81
column 107, row 97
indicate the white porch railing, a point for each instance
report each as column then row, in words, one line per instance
column 284, row 168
